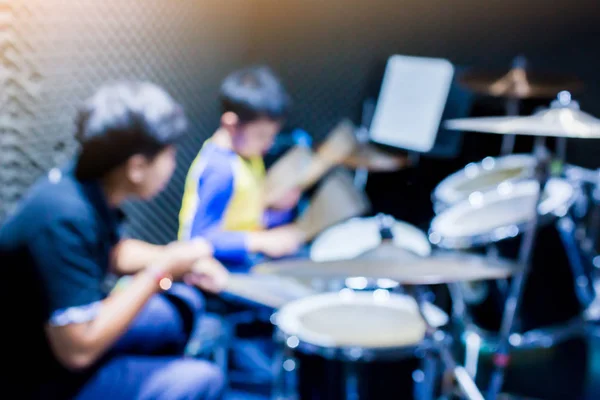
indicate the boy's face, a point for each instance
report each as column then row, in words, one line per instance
column 151, row 176
column 255, row 138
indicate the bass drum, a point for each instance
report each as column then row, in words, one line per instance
column 351, row 345
column 361, row 238
column 480, row 177
column 496, row 219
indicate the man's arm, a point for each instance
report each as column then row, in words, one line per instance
column 131, row 255
column 81, row 324
column 79, row 345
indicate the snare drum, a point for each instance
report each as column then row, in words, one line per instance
column 480, row 177
column 496, row 220
column 336, row 345
column 360, row 237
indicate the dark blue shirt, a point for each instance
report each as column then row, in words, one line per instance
column 55, row 252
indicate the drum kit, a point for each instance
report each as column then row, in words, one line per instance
column 368, row 326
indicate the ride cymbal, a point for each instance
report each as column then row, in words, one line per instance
column 439, row 268
column 554, row 122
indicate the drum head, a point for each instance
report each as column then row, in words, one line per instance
column 369, row 320
column 495, row 215
column 482, row 176
column 357, row 236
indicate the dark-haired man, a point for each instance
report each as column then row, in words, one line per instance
column 75, row 340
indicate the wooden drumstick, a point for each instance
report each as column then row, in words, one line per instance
column 335, row 201
column 301, row 168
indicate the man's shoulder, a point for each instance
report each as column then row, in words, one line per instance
column 54, row 197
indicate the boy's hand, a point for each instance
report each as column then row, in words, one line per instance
column 289, row 201
column 277, row 242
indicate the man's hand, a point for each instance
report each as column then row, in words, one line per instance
column 208, row 274
column 178, row 258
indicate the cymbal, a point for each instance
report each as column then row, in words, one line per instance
column 270, row 291
column 553, row 122
column 439, row 268
column 519, row 83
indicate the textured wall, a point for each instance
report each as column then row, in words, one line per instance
column 54, row 54
column 331, row 53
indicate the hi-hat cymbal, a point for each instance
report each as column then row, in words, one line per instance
column 519, row 83
column 373, row 159
column 440, row 268
column 554, row 122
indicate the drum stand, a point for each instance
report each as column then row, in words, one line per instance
column 439, row 346
column 509, row 318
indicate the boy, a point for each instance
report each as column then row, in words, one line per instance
column 82, row 342
column 223, row 199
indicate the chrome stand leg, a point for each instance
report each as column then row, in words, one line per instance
column 351, row 384
column 425, row 377
column 509, row 317
column 472, row 351
column 438, row 341
column 566, row 228
column 508, row 141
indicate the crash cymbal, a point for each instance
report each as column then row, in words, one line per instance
column 373, row 159
column 439, row 268
column 519, row 82
column 553, row 122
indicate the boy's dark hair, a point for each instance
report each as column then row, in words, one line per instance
column 253, row 93
column 124, row 119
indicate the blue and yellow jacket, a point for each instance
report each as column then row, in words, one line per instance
column 223, row 202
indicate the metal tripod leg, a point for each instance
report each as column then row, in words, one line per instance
column 437, row 339
column 508, row 141
column 513, row 302
column 566, row 228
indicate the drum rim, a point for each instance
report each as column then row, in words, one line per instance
column 286, row 321
column 444, row 194
column 501, row 232
column 408, row 228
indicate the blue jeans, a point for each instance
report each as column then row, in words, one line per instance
column 140, row 365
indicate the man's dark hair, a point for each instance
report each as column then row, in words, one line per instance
column 124, row 119
column 253, row 93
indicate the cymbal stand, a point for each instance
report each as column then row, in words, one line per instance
column 501, row 357
column 361, row 174
column 512, row 106
column 437, row 339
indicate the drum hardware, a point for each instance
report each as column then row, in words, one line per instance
column 463, row 380
column 564, row 122
column 369, row 238
column 361, row 175
column 441, row 267
column 558, row 121
column 519, row 83
column 516, row 85
column 353, row 358
column 509, row 321
column 487, row 174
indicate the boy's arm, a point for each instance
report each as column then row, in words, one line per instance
column 214, row 191
column 273, row 218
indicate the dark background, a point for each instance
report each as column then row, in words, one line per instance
column 330, row 54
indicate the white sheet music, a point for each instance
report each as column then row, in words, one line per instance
column 411, row 102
